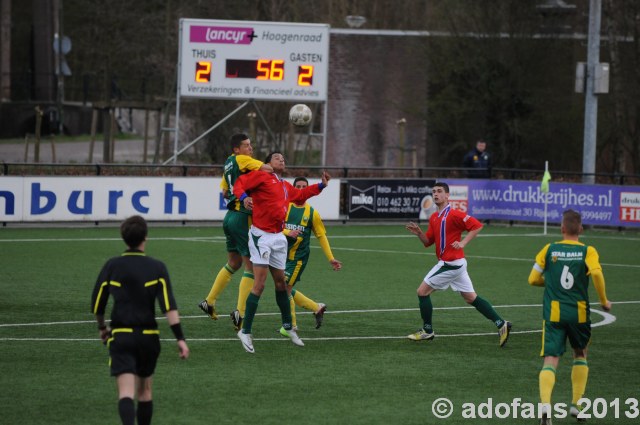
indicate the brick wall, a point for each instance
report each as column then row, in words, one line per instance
column 373, row 82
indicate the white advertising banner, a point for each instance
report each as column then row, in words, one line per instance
column 87, row 199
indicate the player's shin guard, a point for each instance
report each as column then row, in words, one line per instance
column 246, row 283
column 426, row 312
column 282, row 299
column 145, row 412
column 579, row 376
column 222, row 280
column 127, row 411
column 252, row 307
column 547, row 380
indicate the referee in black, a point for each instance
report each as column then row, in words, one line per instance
column 135, row 282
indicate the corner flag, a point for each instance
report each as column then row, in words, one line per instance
column 544, row 185
column 544, row 188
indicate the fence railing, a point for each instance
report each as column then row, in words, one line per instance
column 102, row 169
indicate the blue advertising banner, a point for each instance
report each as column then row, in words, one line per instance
column 600, row 205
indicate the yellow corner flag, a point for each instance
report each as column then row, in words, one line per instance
column 544, row 185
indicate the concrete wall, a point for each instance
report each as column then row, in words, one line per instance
column 373, row 82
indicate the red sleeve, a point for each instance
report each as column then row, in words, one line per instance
column 301, row 195
column 246, row 182
column 471, row 223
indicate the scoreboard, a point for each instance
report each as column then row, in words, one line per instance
column 253, row 60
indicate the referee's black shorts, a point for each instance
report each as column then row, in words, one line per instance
column 134, row 350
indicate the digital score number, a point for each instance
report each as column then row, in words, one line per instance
column 261, row 69
column 203, row 72
column 253, row 60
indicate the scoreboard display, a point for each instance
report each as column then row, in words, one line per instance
column 253, row 60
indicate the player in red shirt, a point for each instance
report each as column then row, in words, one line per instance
column 445, row 230
column 268, row 195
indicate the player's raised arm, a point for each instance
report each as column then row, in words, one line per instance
column 325, row 178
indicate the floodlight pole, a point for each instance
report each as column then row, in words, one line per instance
column 591, row 100
column 60, row 80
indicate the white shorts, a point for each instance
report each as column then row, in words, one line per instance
column 268, row 249
column 450, row 273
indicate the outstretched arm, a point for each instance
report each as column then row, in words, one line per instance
column 416, row 230
column 325, row 178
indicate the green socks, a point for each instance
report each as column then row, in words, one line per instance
column 252, row 307
column 485, row 307
column 426, row 311
column 282, row 298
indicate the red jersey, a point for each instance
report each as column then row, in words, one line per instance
column 271, row 197
column 445, row 228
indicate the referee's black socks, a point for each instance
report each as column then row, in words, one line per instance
column 127, row 411
column 145, row 411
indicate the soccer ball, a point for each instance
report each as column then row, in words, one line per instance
column 300, row 115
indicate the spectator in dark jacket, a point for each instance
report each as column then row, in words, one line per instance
column 478, row 161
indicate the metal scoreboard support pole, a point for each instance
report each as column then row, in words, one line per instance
column 249, row 61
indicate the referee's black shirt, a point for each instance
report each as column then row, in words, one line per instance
column 135, row 282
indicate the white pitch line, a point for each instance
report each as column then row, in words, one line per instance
column 219, row 239
column 282, row 339
column 184, row 239
column 382, row 310
column 484, row 257
column 608, row 319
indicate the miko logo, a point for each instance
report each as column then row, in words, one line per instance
column 221, row 35
column 362, row 198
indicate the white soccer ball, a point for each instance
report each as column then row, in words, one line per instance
column 300, row 115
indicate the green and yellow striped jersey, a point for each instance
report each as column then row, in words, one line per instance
column 566, row 266
column 307, row 220
column 234, row 167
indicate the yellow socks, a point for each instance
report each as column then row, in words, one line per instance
column 222, row 280
column 246, row 283
column 547, row 381
column 292, row 303
column 302, row 301
column 579, row 375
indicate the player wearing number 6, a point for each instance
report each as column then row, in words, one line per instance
column 563, row 268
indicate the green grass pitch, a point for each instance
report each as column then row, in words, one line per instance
column 357, row 369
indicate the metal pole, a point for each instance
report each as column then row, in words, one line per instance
column 176, row 126
column 60, row 76
column 324, row 132
column 591, row 100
